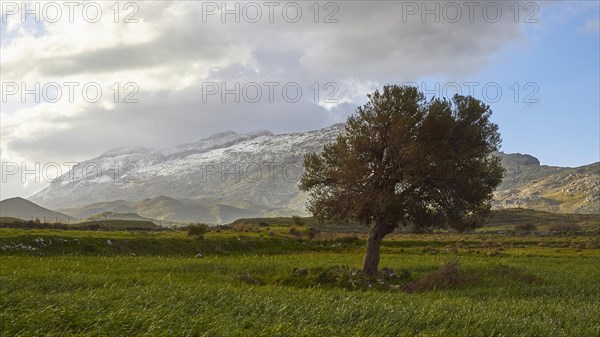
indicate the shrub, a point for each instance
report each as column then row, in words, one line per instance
column 297, row 221
column 506, row 273
column 312, row 232
column 349, row 240
column 244, row 227
column 526, row 228
column 248, row 278
column 198, row 230
column 295, row 232
column 447, row 276
column 565, row 228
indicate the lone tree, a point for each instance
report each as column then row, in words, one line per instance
column 405, row 160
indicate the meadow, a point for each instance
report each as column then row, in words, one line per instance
column 155, row 283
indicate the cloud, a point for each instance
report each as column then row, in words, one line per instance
column 176, row 49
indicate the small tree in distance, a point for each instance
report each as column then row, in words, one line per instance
column 404, row 160
column 198, row 230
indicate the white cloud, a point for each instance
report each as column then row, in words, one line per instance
column 170, row 53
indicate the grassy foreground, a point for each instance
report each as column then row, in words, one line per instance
column 527, row 287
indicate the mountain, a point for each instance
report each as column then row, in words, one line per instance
column 228, row 175
column 27, row 210
column 166, row 210
column 557, row 190
column 258, row 167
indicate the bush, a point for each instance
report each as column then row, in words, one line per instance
column 295, row 232
column 244, row 227
column 526, row 228
column 313, row 232
column 349, row 240
column 447, row 276
column 297, row 221
column 565, row 228
column 248, row 278
column 198, row 230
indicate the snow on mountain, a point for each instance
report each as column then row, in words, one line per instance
column 219, row 172
column 259, row 167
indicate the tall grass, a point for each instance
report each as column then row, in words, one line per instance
column 179, row 296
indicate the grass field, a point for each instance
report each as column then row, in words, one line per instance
column 80, row 284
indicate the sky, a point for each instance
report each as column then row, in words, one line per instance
column 80, row 80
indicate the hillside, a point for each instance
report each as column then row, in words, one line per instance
column 24, row 209
column 119, row 216
column 566, row 190
column 165, row 210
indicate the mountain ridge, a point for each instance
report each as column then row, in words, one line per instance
column 263, row 168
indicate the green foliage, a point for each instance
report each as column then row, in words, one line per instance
column 198, row 230
column 405, row 160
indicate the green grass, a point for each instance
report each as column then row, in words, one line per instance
column 164, row 291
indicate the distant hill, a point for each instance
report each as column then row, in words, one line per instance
column 83, row 212
column 119, row 216
column 117, row 225
column 168, row 210
column 24, row 209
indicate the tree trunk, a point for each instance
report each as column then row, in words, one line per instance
column 378, row 231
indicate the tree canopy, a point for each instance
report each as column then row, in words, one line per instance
column 406, row 160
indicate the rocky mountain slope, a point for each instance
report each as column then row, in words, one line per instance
column 226, row 175
column 259, row 167
column 558, row 190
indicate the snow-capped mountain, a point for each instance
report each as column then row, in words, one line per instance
column 261, row 169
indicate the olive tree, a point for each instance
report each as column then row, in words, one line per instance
column 405, row 160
